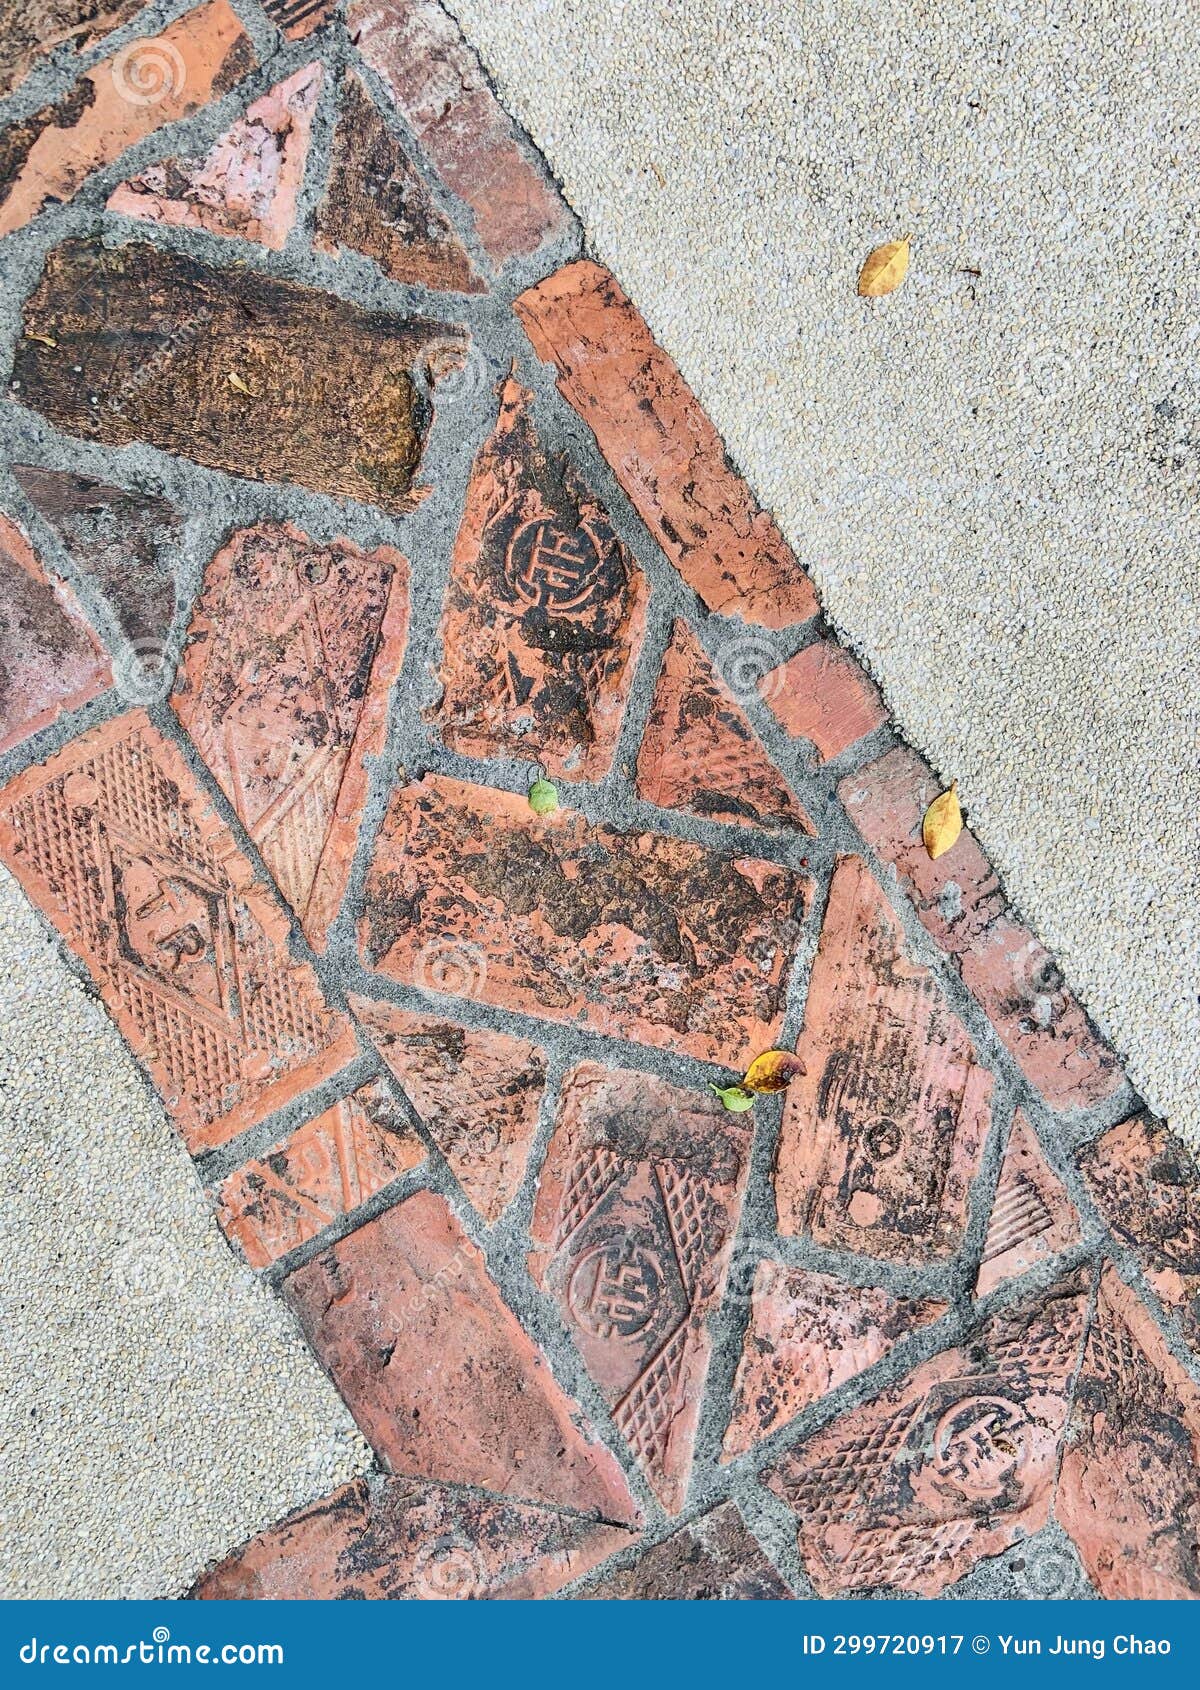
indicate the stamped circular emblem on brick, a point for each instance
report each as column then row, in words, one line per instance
column 555, row 570
column 615, row 1289
column 979, row 1443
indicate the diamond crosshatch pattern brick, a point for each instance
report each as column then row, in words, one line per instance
column 417, row 511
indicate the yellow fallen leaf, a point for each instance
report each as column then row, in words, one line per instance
column 943, row 822
column 235, row 381
column 885, row 269
column 46, row 339
column 772, row 1071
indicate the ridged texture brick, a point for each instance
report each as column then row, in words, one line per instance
column 714, row 1559
column 662, row 448
column 440, row 1377
column 1031, row 1218
column 298, row 18
column 884, row 1133
column 629, row 934
column 822, row 695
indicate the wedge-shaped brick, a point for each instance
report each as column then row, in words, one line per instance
column 544, row 613
column 699, row 752
column 49, row 658
column 1128, row 1494
column 261, row 378
column 1146, row 1184
column 439, row 86
column 119, row 848
column 382, row 1539
column 663, row 449
column 633, row 935
column 323, row 1171
column 290, row 658
column 637, row 1207
column 45, row 159
column 245, row 187
column 378, row 204
column 823, row 696
column 959, row 901
column 950, row 1466
column 714, row 1559
column 1032, row 1217
column 883, row 1134
column 436, row 1370
column 809, row 1333
column 30, row 29
column 477, row 1092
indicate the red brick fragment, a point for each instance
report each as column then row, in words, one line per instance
column 378, row 204
column 822, row 695
column 46, row 159
column 959, row 901
column 50, row 660
column 119, row 848
column 1146, row 1184
column 323, row 1171
column 636, row 1211
column 298, row 18
column 632, row 935
column 1128, row 1494
column 699, row 752
column 477, row 1092
column 439, row 86
column 32, row 29
column 809, row 1333
column 952, row 1465
column 663, row 449
column 246, row 185
column 1032, row 1216
column 713, row 1559
column 545, row 610
column 883, row 1134
column 381, row 1539
column 436, row 1370
column 291, row 654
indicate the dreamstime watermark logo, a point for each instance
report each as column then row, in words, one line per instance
column 750, row 667
column 148, row 1270
column 1048, row 1572
column 453, row 966
column 453, row 371
column 144, row 670
column 744, row 1261
column 449, row 1570
column 1052, row 371
column 750, row 73
column 146, row 73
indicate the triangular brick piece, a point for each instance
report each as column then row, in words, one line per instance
column 883, row 1134
column 377, row 204
column 1032, row 1216
column 699, row 752
column 436, row 1370
column 809, row 1333
column 290, row 656
column 123, row 541
column 247, row 184
column 476, row 1091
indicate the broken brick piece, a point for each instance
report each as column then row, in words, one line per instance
column 545, row 610
column 630, row 934
column 291, row 654
column 1127, row 1494
column 377, row 204
column 884, row 1133
column 699, row 752
column 441, row 90
column 950, row 1466
column 122, row 851
column 959, row 901
column 809, row 1333
column 436, row 1370
column 823, row 695
column 45, row 159
column 246, row 185
column 241, row 372
column 712, row 1559
column 636, row 1211
column 1032, row 1217
column 298, row 18
column 381, row 1539
column 126, row 542
column 32, row 29
column 323, row 1171
column 50, row 660
column 1146, row 1184
column 477, row 1092
column 663, row 449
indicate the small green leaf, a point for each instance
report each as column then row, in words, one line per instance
column 735, row 1098
column 543, row 798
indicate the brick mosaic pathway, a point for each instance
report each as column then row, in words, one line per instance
column 343, row 499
